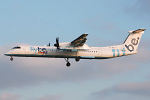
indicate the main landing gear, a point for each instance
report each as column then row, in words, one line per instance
column 11, row 58
column 77, row 59
column 68, row 63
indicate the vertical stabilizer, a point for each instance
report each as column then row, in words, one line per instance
column 132, row 41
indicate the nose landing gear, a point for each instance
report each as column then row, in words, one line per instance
column 68, row 63
column 11, row 58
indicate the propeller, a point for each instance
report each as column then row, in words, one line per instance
column 57, row 43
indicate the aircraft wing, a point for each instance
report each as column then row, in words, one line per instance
column 79, row 41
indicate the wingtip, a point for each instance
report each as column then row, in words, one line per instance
column 86, row 34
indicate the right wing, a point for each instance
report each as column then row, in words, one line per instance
column 79, row 41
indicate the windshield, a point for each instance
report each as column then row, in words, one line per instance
column 16, row 47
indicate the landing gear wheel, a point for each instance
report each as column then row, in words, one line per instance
column 77, row 59
column 11, row 59
column 68, row 64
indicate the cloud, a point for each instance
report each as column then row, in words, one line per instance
column 129, row 91
column 8, row 96
column 139, row 88
column 48, row 97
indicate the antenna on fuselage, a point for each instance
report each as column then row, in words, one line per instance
column 49, row 44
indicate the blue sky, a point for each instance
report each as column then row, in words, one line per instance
column 107, row 22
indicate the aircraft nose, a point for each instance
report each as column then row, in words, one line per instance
column 7, row 54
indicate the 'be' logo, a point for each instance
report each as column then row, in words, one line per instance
column 134, row 42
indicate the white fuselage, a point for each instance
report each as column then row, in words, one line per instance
column 53, row 52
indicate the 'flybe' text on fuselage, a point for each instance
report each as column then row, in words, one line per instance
column 38, row 50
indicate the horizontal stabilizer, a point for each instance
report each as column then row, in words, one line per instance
column 137, row 31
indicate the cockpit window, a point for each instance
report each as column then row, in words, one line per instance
column 16, row 47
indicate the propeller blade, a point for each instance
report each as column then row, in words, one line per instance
column 57, row 43
column 57, row 40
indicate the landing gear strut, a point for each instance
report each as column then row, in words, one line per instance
column 68, row 63
column 11, row 58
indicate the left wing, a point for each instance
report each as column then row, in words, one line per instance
column 79, row 41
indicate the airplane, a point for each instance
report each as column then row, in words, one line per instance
column 77, row 49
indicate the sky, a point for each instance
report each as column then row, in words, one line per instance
column 30, row 22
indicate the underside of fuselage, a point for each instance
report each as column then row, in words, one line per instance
column 56, row 56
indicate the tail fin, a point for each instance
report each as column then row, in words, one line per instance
column 132, row 41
